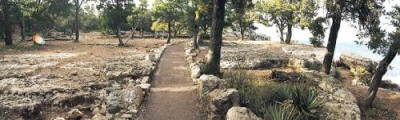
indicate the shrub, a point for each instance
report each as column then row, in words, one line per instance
column 306, row 101
column 255, row 97
column 281, row 112
column 282, row 92
column 316, row 42
column 361, row 74
column 337, row 74
column 275, row 101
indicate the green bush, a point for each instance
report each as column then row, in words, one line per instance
column 272, row 101
column 255, row 97
column 282, row 92
column 280, row 112
column 306, row 101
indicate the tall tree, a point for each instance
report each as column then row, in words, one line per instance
column 193, row 16
column 277, row 12
column 214, row 53
column 142, row 16
column 115, row 14
column 78, row 4
column 379, row 45
column 1, row 21
column 241, row 16
column 7, row 23
column 317, row 30
column 338, row 10
column 288, row 14
column 167, row 12
column 200, row 15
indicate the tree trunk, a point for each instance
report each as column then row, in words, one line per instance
column 289, row 34
column 77, row 8
column 214, row 53
column 141, row 32
column 327, row 64
column 196, row 31
column 169, row 32
column 132, row 33
column 380, row 71
column 121, row 43
column 22, row 26
column 281, row 36
column 241, row 29
column 7, row 25
column 199, row 38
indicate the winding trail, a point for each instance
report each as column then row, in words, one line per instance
column 173, row 95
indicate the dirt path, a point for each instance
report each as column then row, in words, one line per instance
column 388, row 101
column 173, row 95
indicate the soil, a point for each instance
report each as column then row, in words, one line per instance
column 386, row 105
column 173, row 95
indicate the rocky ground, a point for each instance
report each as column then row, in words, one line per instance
column 290, row 64
column 93, row 79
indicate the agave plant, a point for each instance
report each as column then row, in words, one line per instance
column 281, row 112
column 306, row 101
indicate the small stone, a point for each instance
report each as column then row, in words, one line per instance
column 150, row 57
column 145, row 87
column 210, row 82
column 127, row 116
column 145, row 80
column 241, row 113
column 196, row 71
column 219, row 101
column 99, row 117
column 74, row 114
column 75, row 111
column 113, row 108
column 73, row 73
column 59, row 118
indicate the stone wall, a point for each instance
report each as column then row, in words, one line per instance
column 215, row 97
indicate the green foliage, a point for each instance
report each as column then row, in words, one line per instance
column 361, row 74
column 241, row 15
column 284, row 12
column 89, row 21
column 379, row 42
column 140, row 17
column 115, row 14
column 306, row 101
column 318, row 31
column 279, row 112
column 282, row 93
column 167, row 12
column 275, row 101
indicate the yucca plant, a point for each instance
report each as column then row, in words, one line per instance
column 281, row 112
column 282, row 92
column 306, row 101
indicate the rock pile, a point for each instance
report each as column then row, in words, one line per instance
column 217, row 99
column 245, row 55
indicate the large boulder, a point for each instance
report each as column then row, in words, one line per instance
column 339, row 102
column 219, row 101
column 209, row 83
column 353, row 61
column 195, row 71
column 241, row 113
